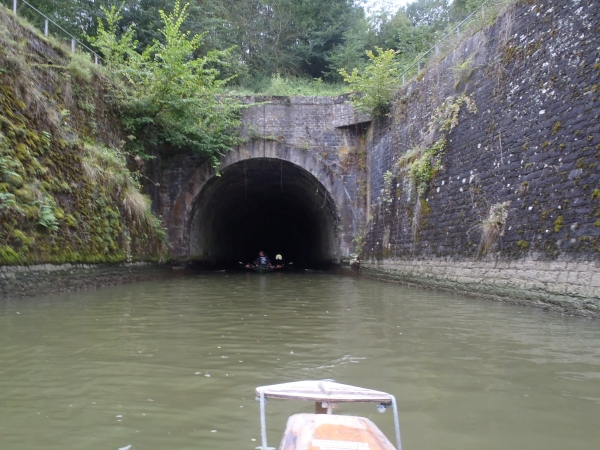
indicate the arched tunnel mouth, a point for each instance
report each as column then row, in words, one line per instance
column 263, row 204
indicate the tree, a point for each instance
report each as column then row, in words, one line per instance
column 373, row 88
column 173, row 99
column 295, row 38
column 432, row 13
column 386, row 29
column 290, row 37
column 352, row 52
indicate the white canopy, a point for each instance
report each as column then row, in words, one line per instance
column 323, row 391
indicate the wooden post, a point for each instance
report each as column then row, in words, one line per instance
column 72, row 45
column 95, row 59
column 15, row 6
column 46, row 27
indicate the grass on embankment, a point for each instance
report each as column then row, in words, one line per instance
column 66, row 193
column 290, row 86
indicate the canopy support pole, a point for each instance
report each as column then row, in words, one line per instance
column 396, row 422
column 263, row 422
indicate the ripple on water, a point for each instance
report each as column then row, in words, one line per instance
column 174, row 363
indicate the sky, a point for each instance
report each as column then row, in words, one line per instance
column 372, row 6
column 392, row 3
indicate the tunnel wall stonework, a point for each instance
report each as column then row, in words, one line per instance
column 534, row 142
column 321, row 135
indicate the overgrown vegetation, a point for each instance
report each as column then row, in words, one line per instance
column 372, row 89
column 420, row 165
column 300, row 40
column 445, row 118
column 179, row 78
column 463, row 71
column 493, row 227
column 66, row 194
column 291, row 86
column 173, row 98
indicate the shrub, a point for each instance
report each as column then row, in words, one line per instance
column 374, row 87
column 423, row 164
column 174, row 99
column 47, row 218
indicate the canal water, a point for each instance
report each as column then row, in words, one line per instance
column 173, row 364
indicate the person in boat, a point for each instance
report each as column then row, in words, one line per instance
column 262, row 260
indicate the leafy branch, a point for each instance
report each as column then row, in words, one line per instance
column 175, row 99
column 374, row 87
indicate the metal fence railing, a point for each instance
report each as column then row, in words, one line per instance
column 490, row 7
column 75, row 42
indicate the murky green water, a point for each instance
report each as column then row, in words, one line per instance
column 129, row 365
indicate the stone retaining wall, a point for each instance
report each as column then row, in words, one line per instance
column 25, row 281
column 532, row 147
column 570, row 287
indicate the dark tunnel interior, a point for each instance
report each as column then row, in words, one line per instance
column 263, row 204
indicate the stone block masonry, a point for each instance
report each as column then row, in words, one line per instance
column 26, row 281
column 533, row 144
column 568, row 287
column 321, row 135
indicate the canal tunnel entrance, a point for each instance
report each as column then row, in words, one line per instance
column 263, row 204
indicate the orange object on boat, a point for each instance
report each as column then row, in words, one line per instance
column 329, row 432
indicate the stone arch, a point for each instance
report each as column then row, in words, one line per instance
column 312, row 200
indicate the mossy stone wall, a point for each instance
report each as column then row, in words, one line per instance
column 66, row 192
column 534, row 142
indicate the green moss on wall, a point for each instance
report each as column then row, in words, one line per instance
column 558, row 224
column 523, row 245
column 66, row 193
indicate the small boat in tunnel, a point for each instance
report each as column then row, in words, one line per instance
column 264, row 269
column 262, row 264
column 322, row 430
